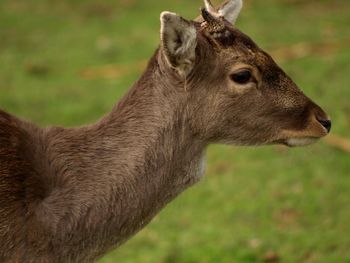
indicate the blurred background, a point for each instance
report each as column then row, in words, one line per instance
column 68, row 62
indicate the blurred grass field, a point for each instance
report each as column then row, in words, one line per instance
column 67, row 63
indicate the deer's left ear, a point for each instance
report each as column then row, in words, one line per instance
column 230, row 10
column 178, row 41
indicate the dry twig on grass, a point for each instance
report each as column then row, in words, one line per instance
column 303, row 49
column 110, row 71
column 338, row 142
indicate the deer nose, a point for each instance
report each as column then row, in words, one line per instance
column 325, row 123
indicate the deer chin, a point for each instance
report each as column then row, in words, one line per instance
column 303, row 141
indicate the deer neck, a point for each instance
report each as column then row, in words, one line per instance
column 153, row 120
column 145, row 154
column 162, row 155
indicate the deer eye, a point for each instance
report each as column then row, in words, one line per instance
column 241, row 77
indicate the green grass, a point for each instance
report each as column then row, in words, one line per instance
column 292, row 202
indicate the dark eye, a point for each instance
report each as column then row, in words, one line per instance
column 242, row 77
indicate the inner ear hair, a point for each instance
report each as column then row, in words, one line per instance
column 231, row 10
column 179, row 41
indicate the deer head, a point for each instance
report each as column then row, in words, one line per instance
column 237, row 93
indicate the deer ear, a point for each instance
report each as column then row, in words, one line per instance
column 178, row 41
column 231, row 9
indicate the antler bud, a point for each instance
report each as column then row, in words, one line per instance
column 209, row 6
column 212, row 23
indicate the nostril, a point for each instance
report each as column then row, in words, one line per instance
column 326, row 123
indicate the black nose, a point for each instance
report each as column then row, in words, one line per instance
column 326, row 123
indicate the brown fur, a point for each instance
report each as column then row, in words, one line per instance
column 71, row 195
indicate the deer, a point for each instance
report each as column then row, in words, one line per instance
column 74, row 194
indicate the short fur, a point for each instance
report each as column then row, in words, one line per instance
column 71, row 195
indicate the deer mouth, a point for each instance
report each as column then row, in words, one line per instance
column 304, row 141
column 305, row 137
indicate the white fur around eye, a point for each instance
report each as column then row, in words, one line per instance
column 241, row 89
